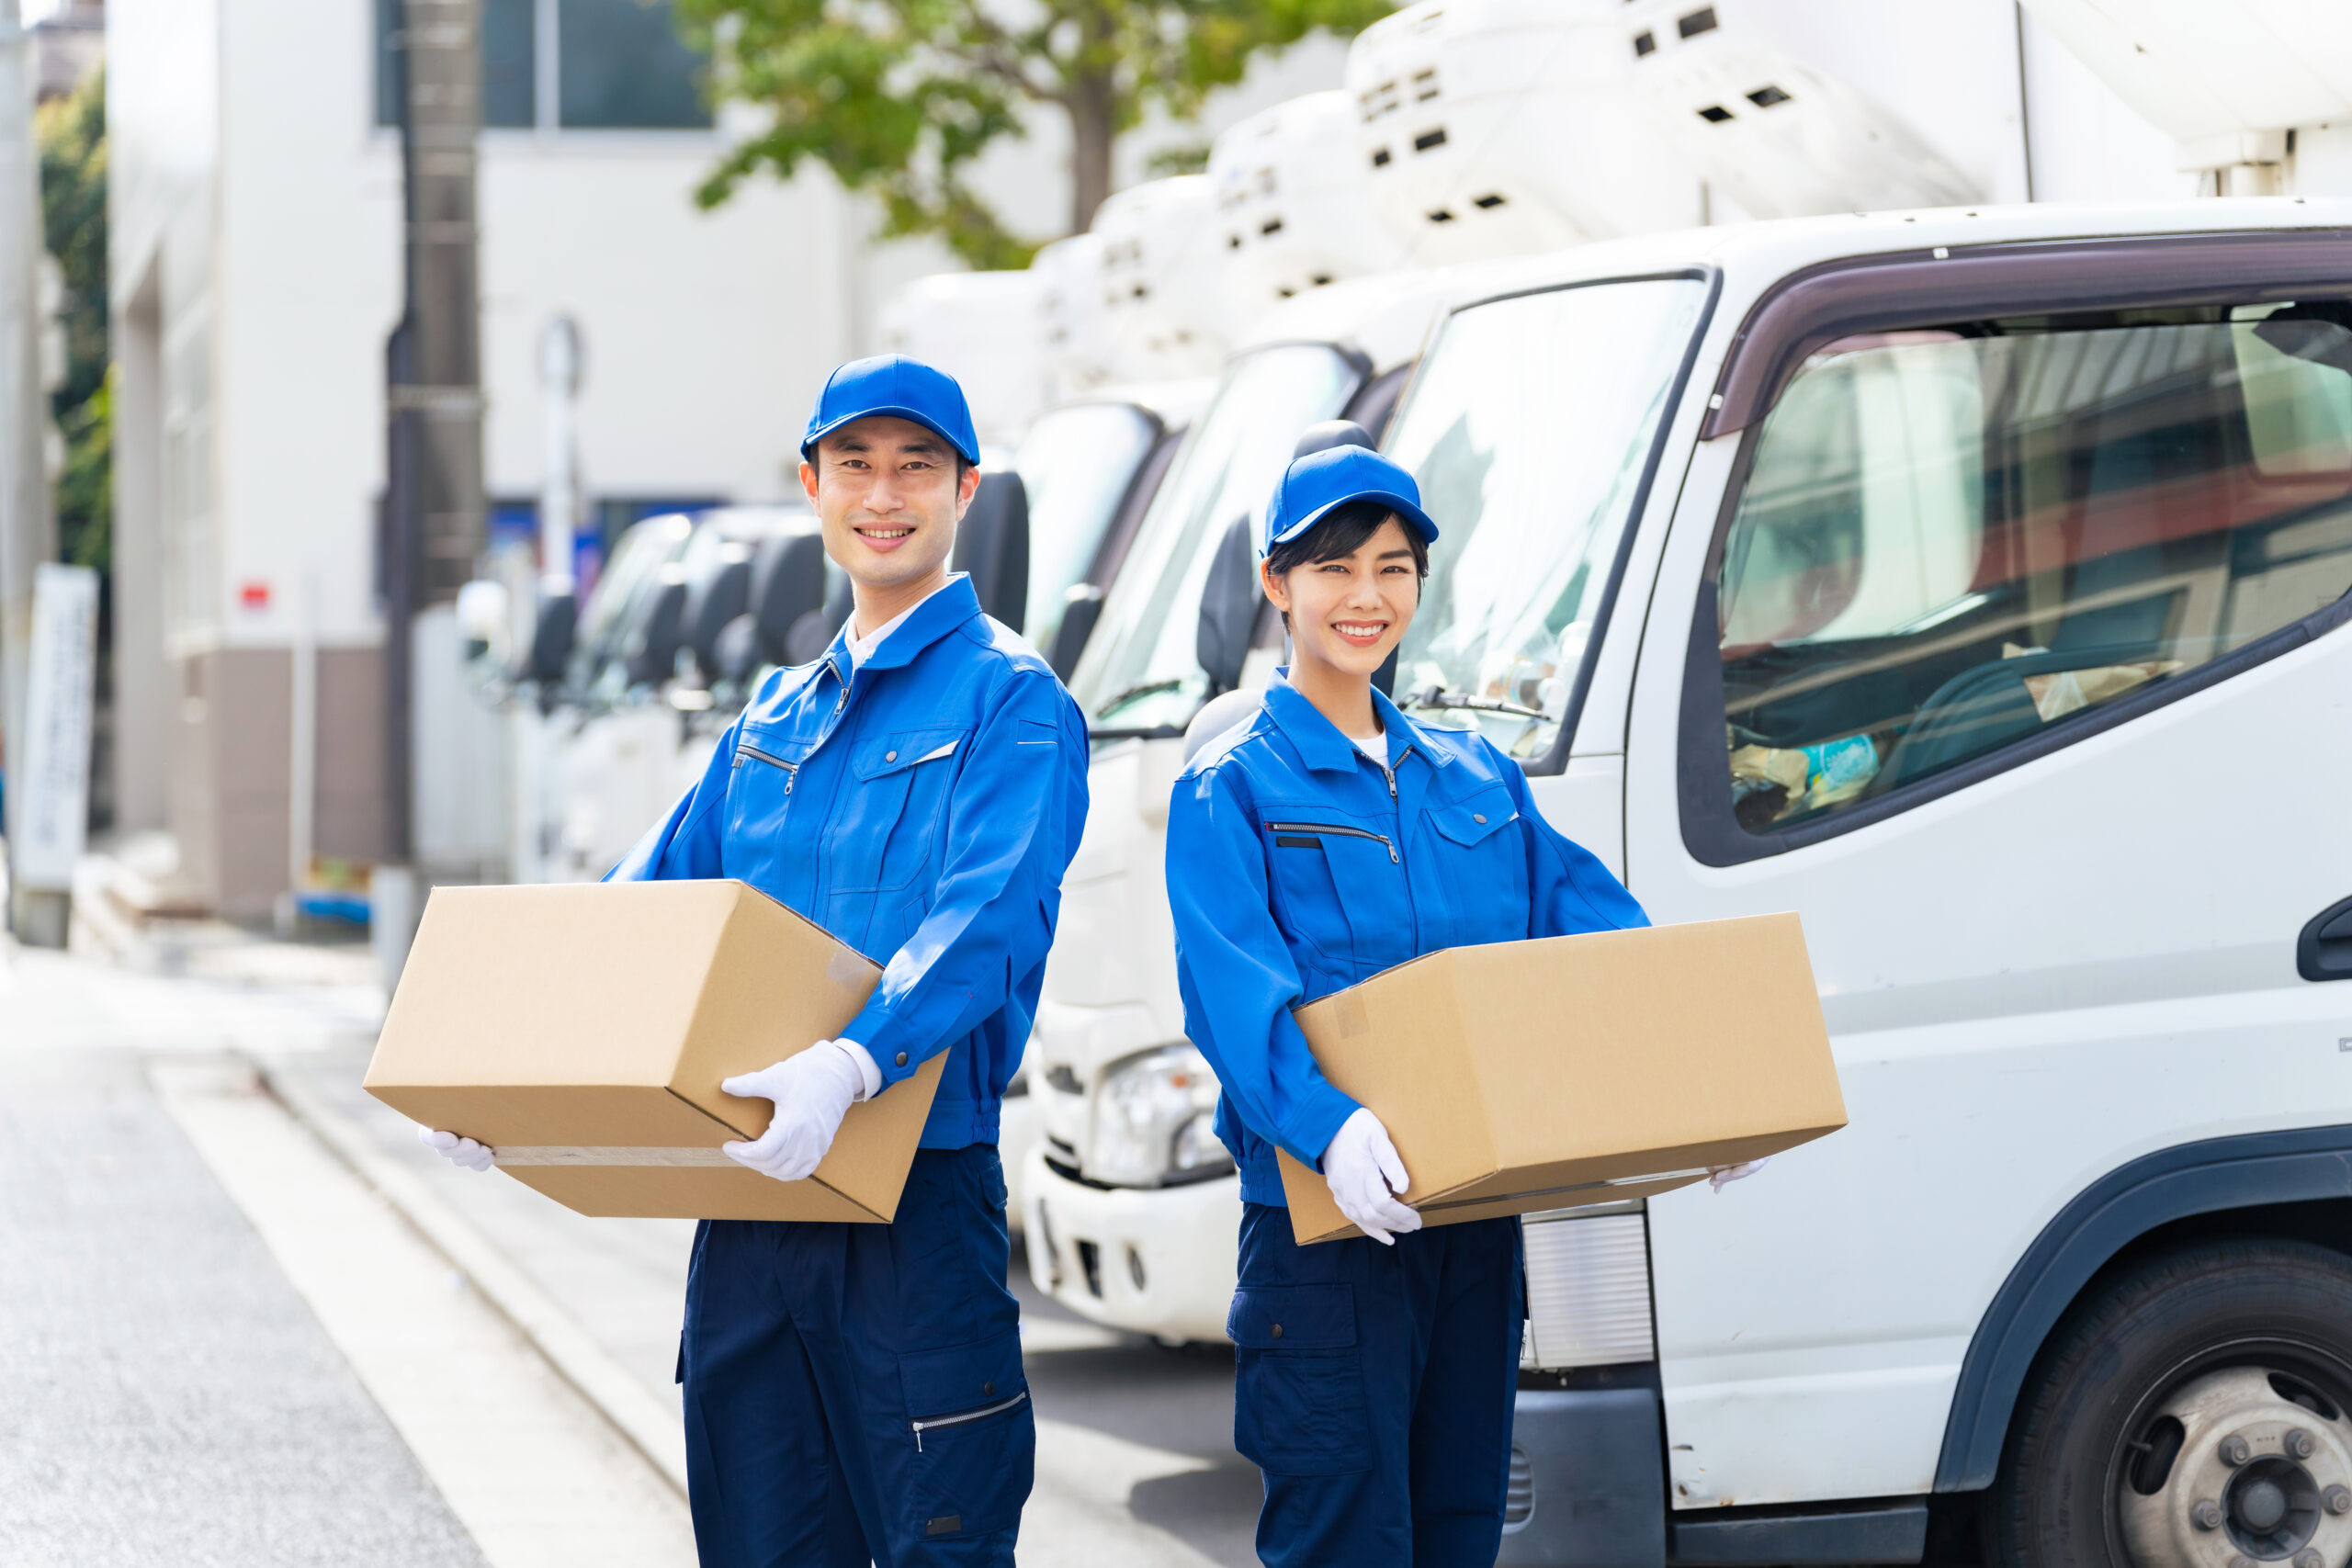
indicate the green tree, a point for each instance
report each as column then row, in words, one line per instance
column 73, row 132
column 898, row 96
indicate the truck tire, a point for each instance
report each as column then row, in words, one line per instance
column 2194, row 1412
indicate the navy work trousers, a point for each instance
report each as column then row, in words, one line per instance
column 1375, row 1387
column 854, row 1392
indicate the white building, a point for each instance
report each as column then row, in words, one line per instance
column 255, row 212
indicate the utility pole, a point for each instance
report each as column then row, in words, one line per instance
column 28, row 524
column 434, row 511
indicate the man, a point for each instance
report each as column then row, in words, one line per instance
column 854, row 1392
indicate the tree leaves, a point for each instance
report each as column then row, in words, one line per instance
column 900, row 98
column 73, row 133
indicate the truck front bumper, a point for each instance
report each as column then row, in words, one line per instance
column 1588, row 1476
column 1150, row 1260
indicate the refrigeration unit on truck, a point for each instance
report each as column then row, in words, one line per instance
column 1973, row 584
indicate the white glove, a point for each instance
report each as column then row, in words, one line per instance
column 1362, row 1166
column 812, row 1092
column 458, row 1150
column 1719, row 1174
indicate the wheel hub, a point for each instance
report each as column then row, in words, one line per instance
column 2231, row 1472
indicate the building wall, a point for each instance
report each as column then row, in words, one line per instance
column 256, row 209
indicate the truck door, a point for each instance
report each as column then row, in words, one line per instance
column 2010, row 653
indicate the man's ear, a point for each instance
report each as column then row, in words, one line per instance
column 966, row 487
column 808, row 479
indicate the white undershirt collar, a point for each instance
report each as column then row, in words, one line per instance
column 860, row 648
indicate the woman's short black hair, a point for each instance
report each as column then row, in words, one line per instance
column 1342, row 532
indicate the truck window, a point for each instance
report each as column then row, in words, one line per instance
column 1076, row 463
column 1140, row 668
column 1530, row 429
column 1949, row 541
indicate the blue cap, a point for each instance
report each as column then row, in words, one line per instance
column 1316, row 483
column 905, row 388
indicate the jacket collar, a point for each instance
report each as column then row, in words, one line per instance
column 1318, row 741
column 949, row 606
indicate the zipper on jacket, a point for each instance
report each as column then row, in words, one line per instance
column 1381, row 839
column 999, row 1408
column 791, row 770
column 1388, row 770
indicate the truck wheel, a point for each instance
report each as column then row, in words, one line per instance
column 2196, row 1413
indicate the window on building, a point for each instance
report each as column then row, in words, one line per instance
column 622, row 65
column 608, row 65
column 1949, row 541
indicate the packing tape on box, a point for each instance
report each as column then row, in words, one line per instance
column 1352, row 1016
column 560, row 1154
column 846, row 968
column 1692, row 1175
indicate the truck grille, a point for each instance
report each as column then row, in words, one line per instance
column 1588, row 1289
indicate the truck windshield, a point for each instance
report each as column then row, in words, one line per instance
column 1076, row 463
column 1140, row 670
column 1528, row 427
column 636, row 563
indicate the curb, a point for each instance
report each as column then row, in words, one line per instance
column 642, row 1420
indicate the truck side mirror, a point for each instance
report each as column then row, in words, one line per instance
column 992, row 544
column 814, row 632
column 656, row 660
column 552, row 637
column 710, row 606
column 787, row 583
column 735, row 651
column 1229, row 602
column 1081, row 608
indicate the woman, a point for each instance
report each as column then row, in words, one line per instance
column 1325, row 839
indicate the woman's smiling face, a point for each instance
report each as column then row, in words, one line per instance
column 1350, row 612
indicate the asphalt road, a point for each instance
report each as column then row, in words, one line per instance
column 166, row 1395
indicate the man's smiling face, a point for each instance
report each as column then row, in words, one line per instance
column 889, row 495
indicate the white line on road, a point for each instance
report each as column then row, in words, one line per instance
column 651, row 1426
column 538, row 1476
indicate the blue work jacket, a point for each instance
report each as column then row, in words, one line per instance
column 1297, row 867
column 922, row 808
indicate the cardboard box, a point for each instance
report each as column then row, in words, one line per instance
column 1576, row 1069
column 583, row 1031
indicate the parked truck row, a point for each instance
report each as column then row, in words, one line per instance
column 1968, row 579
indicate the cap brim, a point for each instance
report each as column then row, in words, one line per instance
column 1412, row 514
column 892, row 410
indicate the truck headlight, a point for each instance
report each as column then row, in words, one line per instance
column 1154, row 1118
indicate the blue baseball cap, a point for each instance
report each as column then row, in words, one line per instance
column 1319, row 481
column 893, row 384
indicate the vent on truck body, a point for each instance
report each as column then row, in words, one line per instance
column 1588, row 1289
column 1518, row 1497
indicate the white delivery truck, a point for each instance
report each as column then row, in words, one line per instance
column 1975, row 584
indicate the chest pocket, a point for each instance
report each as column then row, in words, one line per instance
column 882, row 837
column 1341, row 890
column 1479, row 874
column 761, row 789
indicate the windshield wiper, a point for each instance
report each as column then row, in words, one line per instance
column 1437, row 696
column 1131, row 732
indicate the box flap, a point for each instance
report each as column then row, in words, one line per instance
column 776, row 983
column 560, row 985
column 1662, row 1037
